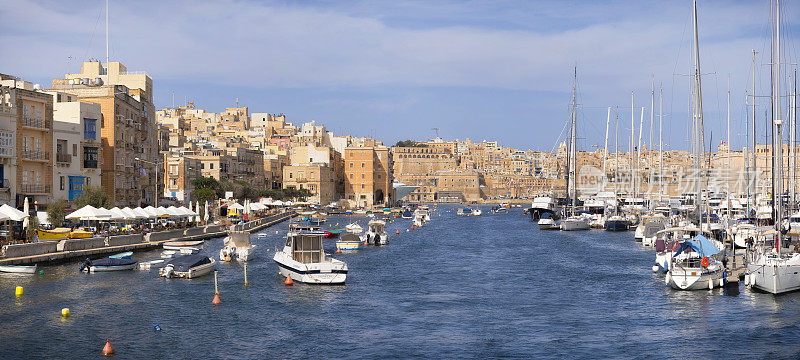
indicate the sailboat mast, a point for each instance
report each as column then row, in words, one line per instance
column 573, row 153
column 777, row 140
column 753, row 130
column 605, row 147
column 698, row 118
column 108, row 75
column 639, row 153
column 660, row 143
column 630, row 147
column 729, row 144
column 616, row 159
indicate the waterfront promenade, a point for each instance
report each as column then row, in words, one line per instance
column 50, row 252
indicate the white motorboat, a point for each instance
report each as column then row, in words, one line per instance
column 179, row 245
column 354, row 228
column 303, row 259
column 376, row 233
column 147, row 265
column 477, row 212
column 237, row 247
column 188, row 266
column 18, row 269
column 647, row 219
column 108, row 264
column 348, row 242
column 547, row 222
column 419, row 220
column 694, row 266
column 540, row 206
column 575, row 223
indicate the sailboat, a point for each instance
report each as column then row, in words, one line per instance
column 695, row 265
column 574, row 221
column 773, row 268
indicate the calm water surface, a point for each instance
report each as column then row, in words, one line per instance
column 479, row 287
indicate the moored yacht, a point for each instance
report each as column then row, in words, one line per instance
column 576, row 223
column 303, row 259
column 376, row 233
column 237, row 247
column 694, row 266
column 188, row 266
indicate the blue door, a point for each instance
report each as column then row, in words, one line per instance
column 76, row 186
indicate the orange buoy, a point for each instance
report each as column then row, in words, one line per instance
column 705, row 261
column 338, row 251
column 216, row 300
column 108, row 350
column 288, row 281
column 397, row 232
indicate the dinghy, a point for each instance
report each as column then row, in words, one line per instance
column 18, row 269
column 108, row 264
column 188, row 267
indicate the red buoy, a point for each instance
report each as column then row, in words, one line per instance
column 705, row 261
column 288, row 281
column 108, row 350
column 216, row 300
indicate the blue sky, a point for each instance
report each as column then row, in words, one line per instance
column 495, row 70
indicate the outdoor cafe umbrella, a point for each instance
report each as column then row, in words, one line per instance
column 9, row 213
column 26, row 210
column 205, row 212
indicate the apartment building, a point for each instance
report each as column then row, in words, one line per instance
column 368, row 176
column 76, row 145
column 8, row 143
column 127, row 128
column 180, row 172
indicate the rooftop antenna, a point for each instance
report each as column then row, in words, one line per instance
column 437, row 131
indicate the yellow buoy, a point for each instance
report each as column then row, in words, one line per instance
column 65, row 312
column 18, row 292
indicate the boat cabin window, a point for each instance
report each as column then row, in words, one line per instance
column 308, row 248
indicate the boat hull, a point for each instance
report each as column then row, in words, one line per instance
column 694, row 279
column 574, row 225
column 112, row 268
column 774, row 279
column 18, row 269
column 347, row 245
column 616, row 225
column 326, row 273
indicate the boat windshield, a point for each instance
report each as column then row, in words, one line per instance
column 307, row 248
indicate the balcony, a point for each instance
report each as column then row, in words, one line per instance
column 37, row 123
column 6, row 151
column 64, row 159
column 34, row 189
column 4, row 185
column 35, row 155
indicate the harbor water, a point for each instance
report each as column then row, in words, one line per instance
column 461, row 287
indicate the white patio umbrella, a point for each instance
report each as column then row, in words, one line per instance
column 89, row 212
column 151, row 212
column 26, row 210
column 118, row 214
column 277, row 203
column 162, row 212
column 142, row 213
column 205, row 212
column 132, row 214
column 9, row 213
column 197, row 211
column 174, row 212
column 236, row 206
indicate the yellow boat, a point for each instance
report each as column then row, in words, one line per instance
column 80, row 234
column 54, row 234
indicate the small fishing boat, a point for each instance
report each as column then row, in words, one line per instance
column 332, row 234
column 80, row 234
column 376, row 233
column 354, row 228
column 124, row 255
column 303, row 259
column 188, row 266
column 547, row 221
column 178, row 245
column 18, row 269
column 147, row 265
column 348, row 242
column 108, row 264
column 168, row 254
column 237, row 247
column 617, row 223
column 53, row 234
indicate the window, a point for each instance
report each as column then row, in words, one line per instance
column 211, row 166
column 74, row 149
column 90, row 157
column 290, row 175
column 202, row 166
column 363, row 165
column 362, row 186
column 351, row 165
column 89, row 129
column 351, row 176
column 173, row 169
column 362, row 176
column 61, row 183
column 88, row 182
column 379, row 176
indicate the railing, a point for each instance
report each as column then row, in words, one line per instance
column 90, row 164
column 36, row 122
column 64, row 158
column 35, row 155
column 7, row 151
column 34, row 189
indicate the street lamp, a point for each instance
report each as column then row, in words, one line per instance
column 155, row 165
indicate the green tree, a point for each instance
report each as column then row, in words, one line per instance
column 93, row 195
column 203, row 195
column 205, row 183
column 410, row 143
column 56, row 212
column 33, row 224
